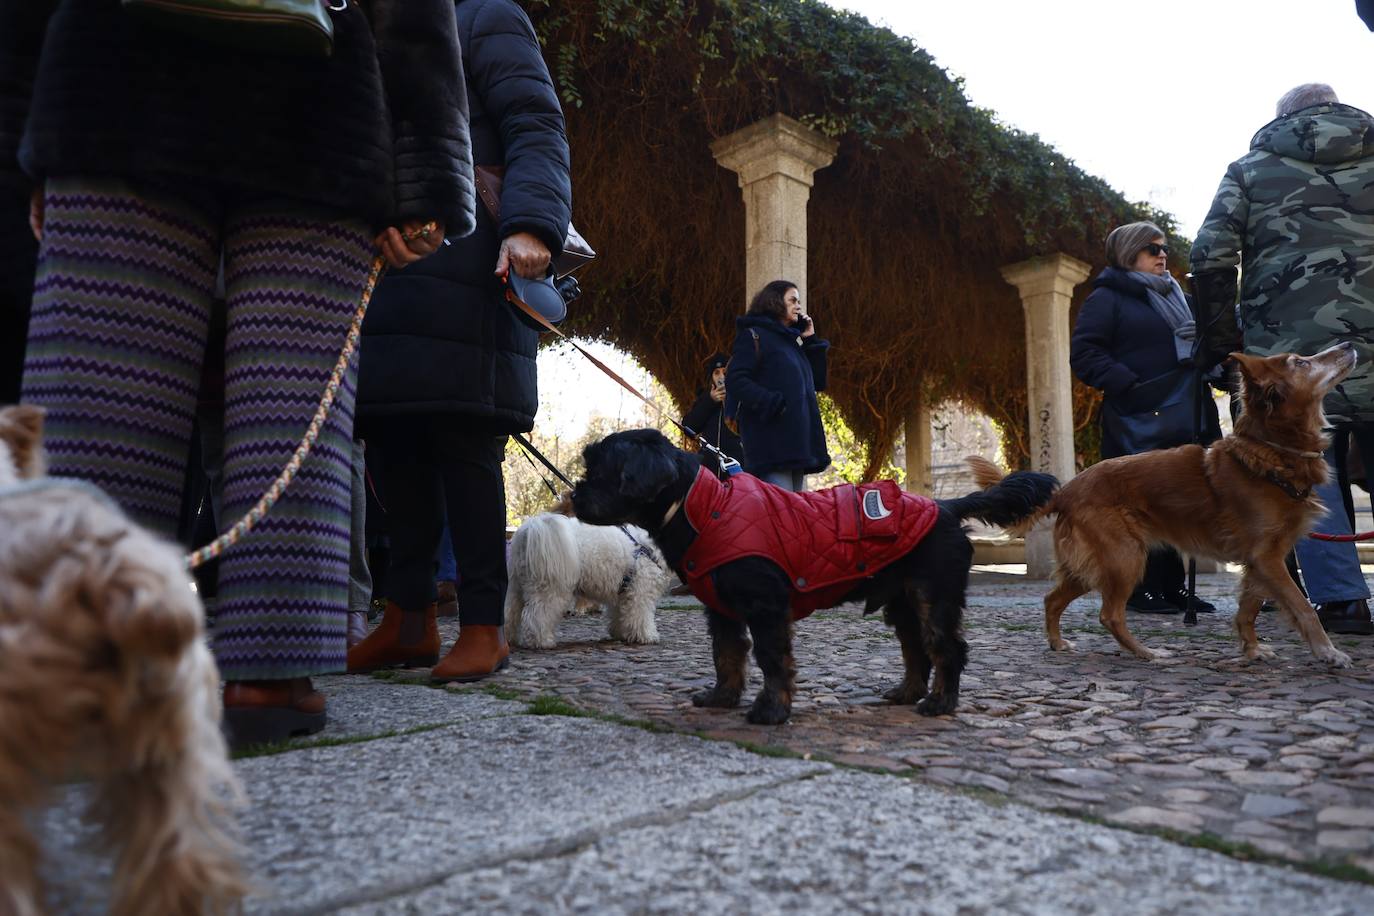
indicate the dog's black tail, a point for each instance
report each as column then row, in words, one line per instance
column 1013, row 501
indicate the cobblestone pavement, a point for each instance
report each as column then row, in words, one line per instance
column 1278, row 755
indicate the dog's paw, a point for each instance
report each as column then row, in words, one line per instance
column 1333, row 657
column 716, row 698
column 937, row 704
column 1061, row 645
column 768, row 710
column 1257, row 653
column 905, row 694
column 636, row 637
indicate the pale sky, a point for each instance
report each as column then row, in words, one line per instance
column 1154, row 96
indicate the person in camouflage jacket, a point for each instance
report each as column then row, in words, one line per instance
column 1296, row 214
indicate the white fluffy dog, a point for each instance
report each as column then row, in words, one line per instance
column 556, row 561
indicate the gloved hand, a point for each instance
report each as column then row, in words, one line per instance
column 775, row 407
column 1214, row 302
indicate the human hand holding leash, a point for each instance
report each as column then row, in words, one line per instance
column 414, row 240
column 526, row 253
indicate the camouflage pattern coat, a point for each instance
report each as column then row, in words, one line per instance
column 1296, row 214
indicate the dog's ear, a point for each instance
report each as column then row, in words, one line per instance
column 648, row 468
column 149, row 612
column 21, row 428
column 1269, row 394
column 1264, row 390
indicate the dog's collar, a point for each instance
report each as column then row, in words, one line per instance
column 1287, row 486
column 1283, row 448
column 672, row 510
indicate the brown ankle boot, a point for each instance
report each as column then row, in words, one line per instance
column 479, row 651
column 383, row 647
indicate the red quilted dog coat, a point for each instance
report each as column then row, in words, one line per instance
column 826, row 541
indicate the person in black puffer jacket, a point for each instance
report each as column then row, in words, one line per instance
column 1133, row 345
column 153, row 158
column 448, row 371
column 777, row 365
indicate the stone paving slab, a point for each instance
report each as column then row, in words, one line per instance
column 363, row 706
column 851, row 842
column 1278, row 755
column 338, row 825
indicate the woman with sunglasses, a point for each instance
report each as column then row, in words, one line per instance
column 1134, row 342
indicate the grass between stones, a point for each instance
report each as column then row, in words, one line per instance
column 1237, row 849
column 282, row 747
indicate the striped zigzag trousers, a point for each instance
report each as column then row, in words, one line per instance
column 122, row 297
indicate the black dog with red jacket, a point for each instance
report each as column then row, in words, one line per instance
column 639, row 477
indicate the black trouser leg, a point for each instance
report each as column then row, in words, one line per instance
column 475, row 494
column 406, row 471
column 1163, row 571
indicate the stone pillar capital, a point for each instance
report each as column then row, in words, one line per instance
column 777, row 145
column 775, row 160
column 1056, row 273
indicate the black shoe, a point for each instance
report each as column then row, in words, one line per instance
column 1147, row 601
column 1351, row 617
column 1180, row 601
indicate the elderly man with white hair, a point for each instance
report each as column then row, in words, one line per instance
column 1296, row 214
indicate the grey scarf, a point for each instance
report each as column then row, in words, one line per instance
column 1166, row 298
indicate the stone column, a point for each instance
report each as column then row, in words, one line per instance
column 920, row 477
column 1046, row 287
column 775, row 159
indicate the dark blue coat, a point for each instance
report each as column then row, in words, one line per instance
column 1120, row 341
column 772, row 395
column 439, row 338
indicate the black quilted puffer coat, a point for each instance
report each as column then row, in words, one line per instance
column 377, row 130
column 439, row 338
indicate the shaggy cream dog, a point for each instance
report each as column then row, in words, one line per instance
column 105, row 675
column 557, row 562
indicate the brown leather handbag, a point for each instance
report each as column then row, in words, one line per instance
column 576, row 251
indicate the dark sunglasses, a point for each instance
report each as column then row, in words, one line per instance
column 1155, row 249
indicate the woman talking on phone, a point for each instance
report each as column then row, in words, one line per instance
column 777, row 365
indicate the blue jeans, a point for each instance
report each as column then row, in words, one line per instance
column 788, row 480
column 1331, row 569
column 448, row 566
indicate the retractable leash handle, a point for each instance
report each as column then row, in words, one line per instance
column 729, row 467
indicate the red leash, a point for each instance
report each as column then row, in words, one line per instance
column 1362, row 536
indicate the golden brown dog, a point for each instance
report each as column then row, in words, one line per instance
column 104, row 674
column 1246, row 499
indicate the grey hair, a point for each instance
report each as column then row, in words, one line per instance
column 1304, row 96
column 1125, row 242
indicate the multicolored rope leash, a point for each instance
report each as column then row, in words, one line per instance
column 274, row 492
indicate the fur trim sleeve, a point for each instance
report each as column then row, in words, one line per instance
column 422, row 70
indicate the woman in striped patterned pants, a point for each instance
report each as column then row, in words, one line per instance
column 158, row 161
